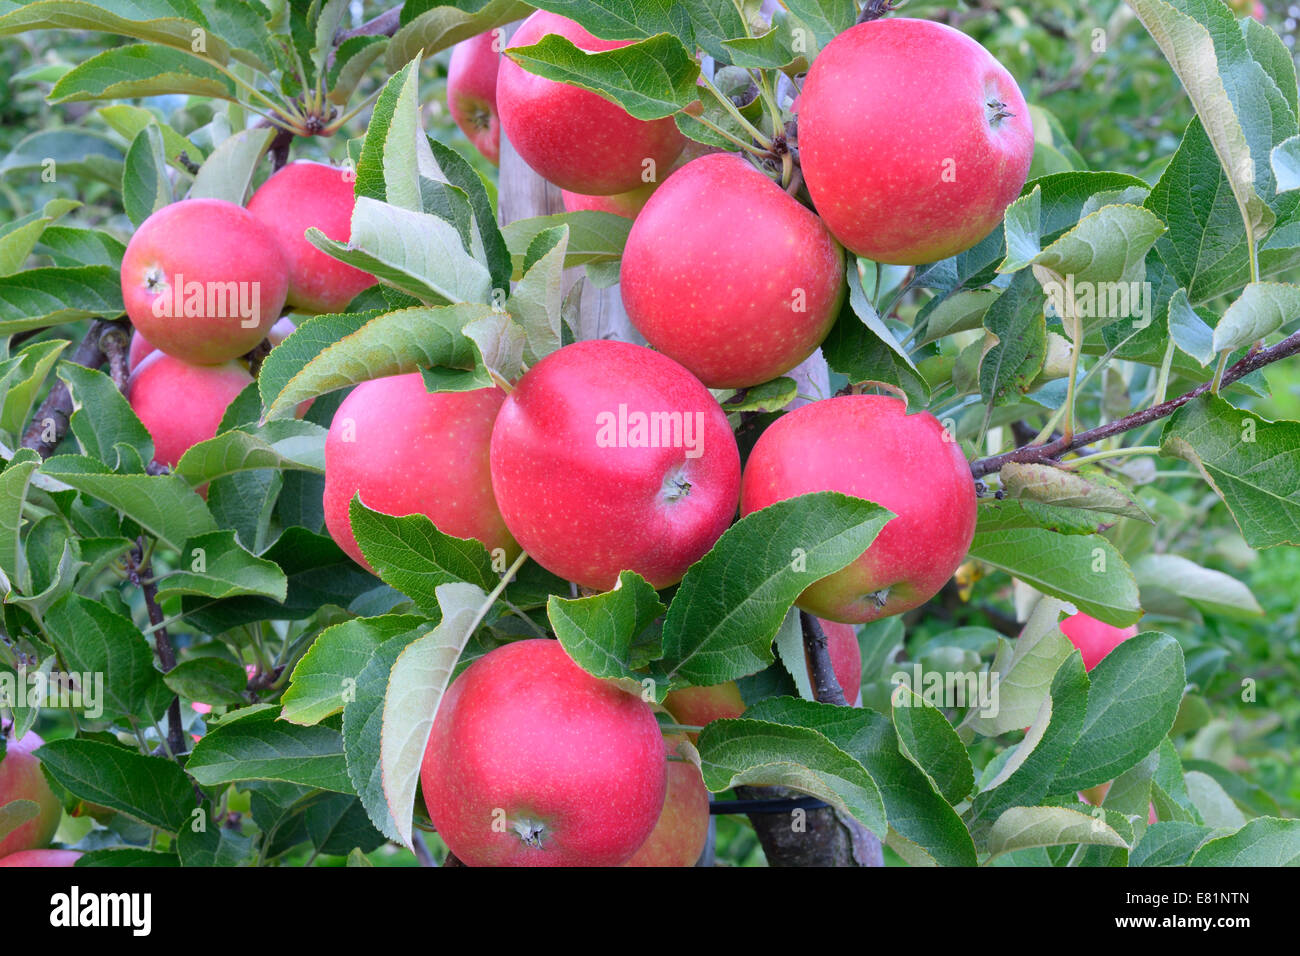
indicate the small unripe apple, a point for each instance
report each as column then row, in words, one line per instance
column 609, row 457
column 41, row 858
column 21, row 779
column 472, row 91
column 913, row 140
column 869, row 447
column 407, row 450
column 203, row 280
column 729, row 275
column 570, row 136
column 1094, row 639
column 679, row 836
column 534, row 762
column 302, row 195
column 182, row 404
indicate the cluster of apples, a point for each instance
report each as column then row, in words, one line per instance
column 204, row 282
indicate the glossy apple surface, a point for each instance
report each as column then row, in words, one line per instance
column 203, row 280
column 913, row 140
column 472, row 91
column 182, row 404
column 682, row 830
column 727, row 274
column 21, row 779
column 534, row 762
column 869, row 447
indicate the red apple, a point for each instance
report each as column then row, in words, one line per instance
column 21, row 779
column 626, row 204
column 576, row 139
column 697, row 706
column 41, row 858
column 1094, row 639
column 203, row 279
column 609, row 456
column 679, row 836
column 140, row 348
column 182, row 404
column 299, row 196
column 472, row 91
column 913, row 140
column 534, row 762
column 411, row 451
column 729, row 275
column 869, row 447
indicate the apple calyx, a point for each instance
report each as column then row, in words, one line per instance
column 530, row 832
column 997, row 110
column 480, row 118
column 878, row 598
column 675, row 486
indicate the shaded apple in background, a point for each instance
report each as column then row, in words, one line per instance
column 41, row 858
column 21, row 779
column 411, row 451
column 577, row 492
column 575, row 764
column 679, row 836
column 213, row 260
column 697, row 706
column 1094, row 639
column 913, row 140
column 141, row 347
column 182, row 404
column 472, row 91
column 729, row 275
column 626, row 204
column 301, row 195
column 869, row 447
column 570, row 136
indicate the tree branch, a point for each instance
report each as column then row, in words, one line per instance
column 50, row 422
column 1051, row 452
column 816, row 651
column 140, row 574
column 384, row 25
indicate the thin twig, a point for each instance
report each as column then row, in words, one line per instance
column 50, row 423
column 1053, row 450
column 139, row 573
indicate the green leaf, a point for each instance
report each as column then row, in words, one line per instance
column 1089, row 489
column 536, row 300
column 1015, row 320
column 251, row 744
column 1251, row 462
column 732, row 601
column 14, row 482
column 1023, row 227
column 154, row 790
column 1083, row 569
column 73, row 246
column 1263, row 308
column 21, row 391
column 1216, row 807
column 286, row 444
column 765, row 753
column 354, row 58
column 128, row 856
column 214, row 845
column 1190, row 332
column 1285, row 160
column 1266, row 841
column 104, row 420
column 209, row 680
column 170, row 22
column 38, row 298
column 69, row 151
column 618, row 20
column 593, row 237
column 228, row 173
column 18, row 238
column 413, row 252
column 416, row 685
column 1168, row 843
column 164, row 505
column 1134, row 697
column 855, row 351
column 141, row 70
column 145, row 186
column 958, row 313
column 599, row 632
column 442, row 26
column 772, row 50
column 1212, row 591
column 448, row 166
column 409, row 553
column 93, row 639
column 928, row 740
column 128, row 121
column 326, row 677
column 651, row 78
column 219, row 567
column 827, row 18
column 335, row 352
column 1191, row 50
column 1020, row 828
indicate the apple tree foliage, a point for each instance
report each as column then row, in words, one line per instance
column 323, row 680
